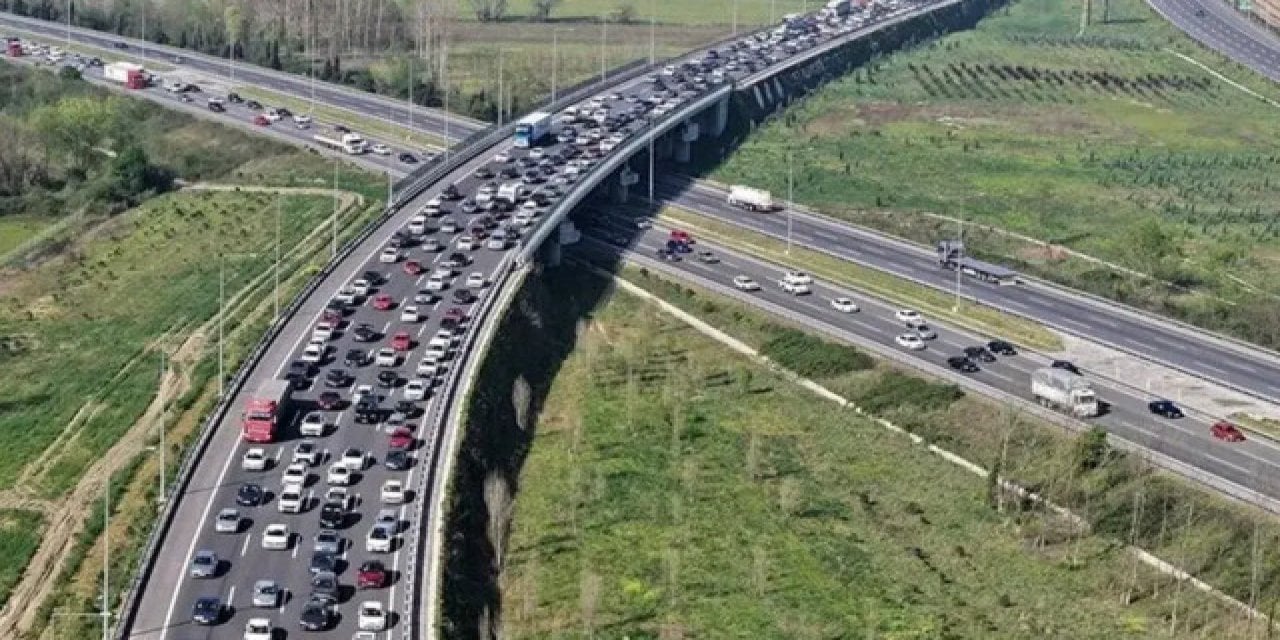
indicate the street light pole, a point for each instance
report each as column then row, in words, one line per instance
column 955, row 308
column 106, row 560
column 500, row 101
column 222, row 311
column 555, row 61
column 604, row 36
column 735, row 17
column 333, row 245
column 163, row 467
column 653, row 39
column 68, row 23
column 790, row 194
column 276, row 269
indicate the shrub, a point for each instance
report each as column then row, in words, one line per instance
column 813, row 357
column 895, row 390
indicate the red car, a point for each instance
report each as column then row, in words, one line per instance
column 413, row 267
column 328, row 400
column 479, row 233
column 401, row 341
column 1224, row 430
column 681, row 236
column 383, row 302
column 261, row 120
column 372, row 575
column 401, row 439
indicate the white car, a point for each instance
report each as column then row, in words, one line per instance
column 386, row 357
column 306, row 452
column 323, row 331
column 361, row 287
column 409, row 313
column 313, row 425
column 428, row 369
column 389, row 255
column 381, row 149
column 415, row 390
column 363, row 391
column 536, row 153
column 908, row 315
column 924, row 331
column 313, row 353
column 254, row 459
column 418, row 224
column 434, row 283
column 353, row 459
column 291, row 499
column 346, row 295
column 379, row 539
column 475, row 280
column 276, row 537
column 797, row 277
column 503, row 157
column 258, row 629
column 373, row 616
column 794, row 288
column 468, row 243
column 743, row 283
column 295, row 473
column 844, row 305
column 338, row 495
column 301, row 119
column 338, row 475
column 909, row 341
column 392, row 492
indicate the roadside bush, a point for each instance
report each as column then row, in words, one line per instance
column 814, row 357
column 895, row 390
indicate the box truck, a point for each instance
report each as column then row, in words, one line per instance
column 264, row 411
column 532, row 128
column 1064, row 391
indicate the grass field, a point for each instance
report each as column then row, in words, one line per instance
column 17, row 229
column 19, row 537
column 1106, row 143
column 677, row 490
column 677, row 12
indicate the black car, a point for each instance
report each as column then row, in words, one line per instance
column 284, row 113
column 408, row 158
column 979, row 353
column 324, row 586
column 1065, row 364
column 249, row 495
column 455, row 260
column 364, row 332
column 206, row 611
column 397, row 460
column 317, row 615
column 668, row 254
column 356, row 358
column 482, row 173
column 336, row 378
column 322, row 562
column 341, row 128
column 962, row 363
column 374, row 278
column 300, row 368
column 1000, row 347
column 388, row 378
column 463, row 296
column 367, row 412
column 332, row 516
column 408, row 407
column 216, row 107
column 234, row 98
column 451, row 192
column 252, row 104
column 1165, row 408
column 509, row 172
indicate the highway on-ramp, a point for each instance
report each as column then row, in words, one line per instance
column 1215, row 24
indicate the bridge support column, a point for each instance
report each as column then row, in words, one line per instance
column 684, row 151
column 552, row 253
column 720, row 117
column 569, row 233
column 663, row 147
column 620, row 188
column 688, row 135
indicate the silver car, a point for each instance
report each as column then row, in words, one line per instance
column 204, row 564
column 328, row 541
column 228, row 521
column 266, row 594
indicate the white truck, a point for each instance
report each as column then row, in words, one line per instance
column 350, row 144
column 511, row 192
column 750, row 198
column 532, row 128
column 1065, row 391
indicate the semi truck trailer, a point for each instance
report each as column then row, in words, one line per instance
column 749, row 198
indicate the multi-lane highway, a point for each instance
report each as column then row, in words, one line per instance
column 1219, row 26
column 1252, row 371
column 1248, row 464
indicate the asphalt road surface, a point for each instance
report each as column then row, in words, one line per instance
column 1215, row 24
column 1256, row 373
column 1249, row 464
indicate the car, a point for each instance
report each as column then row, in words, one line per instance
column 362, row 393
column 392, row 492
column 908, row 315
column 412, row 267
column 295, row 473
column 706, row 257
column 381, row 149
column 388, row 518
column 475, row 280
column 402, row 341
column 365, row 332
column 1165, row 408
column 909, row 341
column 503, row 157
column 386, row 357
column 468, row 243
column 1226, row 431
column 261, row 120
column 743, row 283
column 432, row 245
column 332, row 514
column 979, row 352
column 383, row 302
column 923, row 330
column 249, row 495
column 379, row 539
column 324, row 585
column 317, row 615
column 401, row 438
column 407, row 158
column 313, row 353
column 216, row 105
column 206, row 611
column 323, row 561
column 254, row 459
column 397, row 460
column 962, row 363
column 1000, row 347
column 844, row 305
column 797, row 277
column 313, row 425
column 416, row 389
column 356, row 358
column 463, row 296
column 328, row 540
column 302, row 120
column 372, row 616
column 425, row 297
column 794, row 288
column 276, row 537
column 336, row 378
column 388, row 379
column 429, row 369
column 450, row 226
column 372, row 575
column 390, row 255
column 328, row 400
column 453, row 318
column 227, row 521
column 1066, row 365
column 204, row 564
column 266, row 594
column 353, row 459
column 338, row 474
column 258, row 629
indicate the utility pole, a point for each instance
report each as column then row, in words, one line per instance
column 163, row 411
column 144, row 30
column 500, row 102
column 791, row 179
column 555, row 61
column 276, row 271
column 604, row 36
column 955, row 307
column 411, row 91
column 735, row 17
column 333, row 245
column 68, row 24
column 653, row 38
column 222, row 313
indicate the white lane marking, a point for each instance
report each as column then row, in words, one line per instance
column 244, row 548
column 231, row 597
column 297, row 546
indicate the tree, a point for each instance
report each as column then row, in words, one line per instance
column 77, row 127
column 489, row 10
column 1091, row 449
column 1151, row 242
column 131, row 173
column 542, row 9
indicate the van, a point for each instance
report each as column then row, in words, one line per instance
column 290, row 499
column 418, row 224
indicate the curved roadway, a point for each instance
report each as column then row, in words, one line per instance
column 1218, row 26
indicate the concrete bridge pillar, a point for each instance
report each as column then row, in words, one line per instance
column 663, row 147
column 569, row 233
column 552, row 254
column 620, row 188
column 720, row 117
column 684, row 151
column 689, row 132
column 755, row 92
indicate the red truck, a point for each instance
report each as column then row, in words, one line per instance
column 14, row 48
column 130, row 75
column 264, row 409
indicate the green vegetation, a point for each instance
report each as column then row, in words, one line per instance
column 673, row 489
column 926, row 299
column 1106, row 143
column 19, row 537
column 813, row 357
